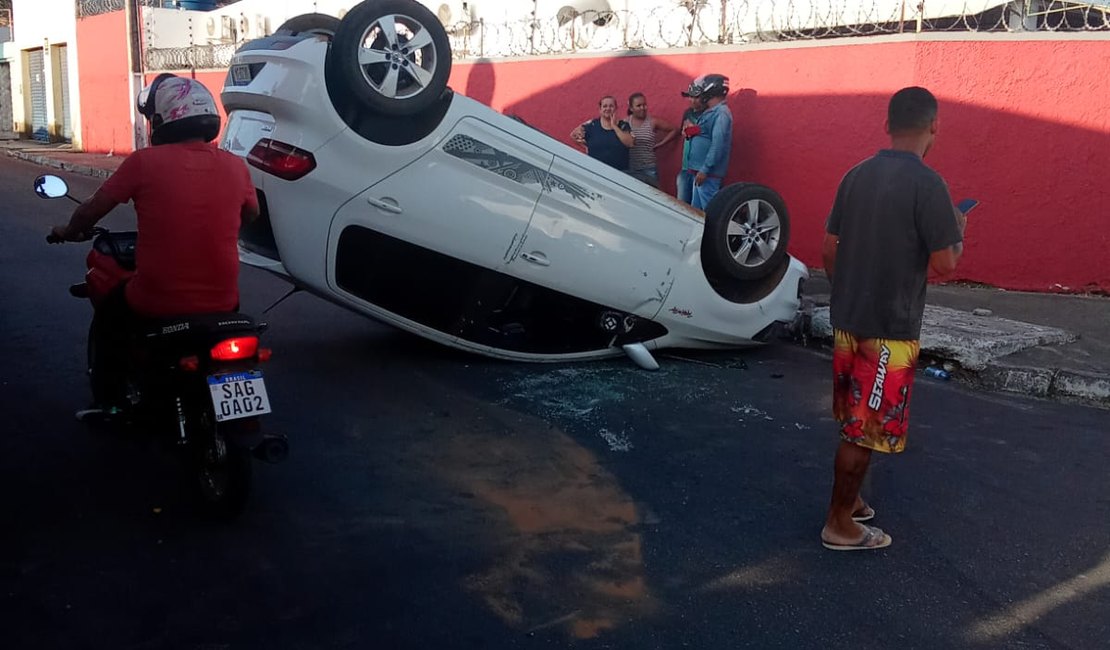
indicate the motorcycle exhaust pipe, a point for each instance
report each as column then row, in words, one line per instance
column 273, row 448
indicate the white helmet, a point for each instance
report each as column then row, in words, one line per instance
column 179, row 109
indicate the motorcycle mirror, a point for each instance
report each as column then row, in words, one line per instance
column 51, row 187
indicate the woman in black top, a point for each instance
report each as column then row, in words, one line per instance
column 606, row 138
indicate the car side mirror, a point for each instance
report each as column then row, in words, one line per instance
column 51, row 187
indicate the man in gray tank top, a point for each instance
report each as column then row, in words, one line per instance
column 892, row 222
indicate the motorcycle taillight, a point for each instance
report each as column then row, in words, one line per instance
column 240, row 347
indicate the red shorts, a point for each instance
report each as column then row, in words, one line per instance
column 872, row 381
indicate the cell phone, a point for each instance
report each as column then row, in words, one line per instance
column 966, row 205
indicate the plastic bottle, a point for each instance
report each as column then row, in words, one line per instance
column 937, row 373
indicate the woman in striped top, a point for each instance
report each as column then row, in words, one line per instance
column 650, row 134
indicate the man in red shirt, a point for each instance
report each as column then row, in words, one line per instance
column 191, row 199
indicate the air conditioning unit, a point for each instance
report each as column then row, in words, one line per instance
column 228, row 29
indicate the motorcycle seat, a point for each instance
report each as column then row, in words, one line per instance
column 200, row 325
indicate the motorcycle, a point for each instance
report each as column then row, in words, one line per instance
column 196, row 380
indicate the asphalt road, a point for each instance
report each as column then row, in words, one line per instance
column 438, row 500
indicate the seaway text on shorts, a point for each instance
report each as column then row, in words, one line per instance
column 872, row 382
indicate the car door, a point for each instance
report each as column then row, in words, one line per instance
column 597, row 235
column 443, row 222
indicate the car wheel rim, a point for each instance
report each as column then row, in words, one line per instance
column 398, row 56
column 754, row 232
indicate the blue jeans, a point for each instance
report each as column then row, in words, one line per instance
column 649, row 175
column 684, row 186
column 705, row 192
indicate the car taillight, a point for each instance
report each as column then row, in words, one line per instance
column 280, row 159
column 243, row 347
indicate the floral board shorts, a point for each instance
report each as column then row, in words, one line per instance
column 872, row 381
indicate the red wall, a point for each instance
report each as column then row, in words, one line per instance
column 1024, row 129
column 106, row 101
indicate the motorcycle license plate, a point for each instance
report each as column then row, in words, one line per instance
column 238, row 395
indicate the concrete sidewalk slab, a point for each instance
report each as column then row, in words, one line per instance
column 63, row 157
column 1050, row 346
column 974, row 342
column 95, row 165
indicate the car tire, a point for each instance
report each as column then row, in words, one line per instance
column 371, row 57
column 746, row 233
column 311, row 24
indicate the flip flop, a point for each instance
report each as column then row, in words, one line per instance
column 868, row 513
column 873, row 538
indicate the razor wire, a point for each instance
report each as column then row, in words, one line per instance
column 691, row 23
column 694, row 23
column 198, row 57
column 87, row 8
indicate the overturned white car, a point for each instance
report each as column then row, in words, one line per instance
column 385, row 192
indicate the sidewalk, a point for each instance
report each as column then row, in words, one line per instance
column 1042, row 345
column 62, row 156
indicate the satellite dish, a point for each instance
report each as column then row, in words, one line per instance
column 590, row 11
column 565, row 15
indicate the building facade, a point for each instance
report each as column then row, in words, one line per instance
column 40, row 62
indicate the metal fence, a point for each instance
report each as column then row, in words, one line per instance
column 689, row 23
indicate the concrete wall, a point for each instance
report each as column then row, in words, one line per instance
column 107, row 94
column 46, row 24
column 1024, row 129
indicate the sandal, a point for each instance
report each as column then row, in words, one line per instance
column 873, row 538
column 866, row 513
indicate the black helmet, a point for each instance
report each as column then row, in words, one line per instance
column 708, row 85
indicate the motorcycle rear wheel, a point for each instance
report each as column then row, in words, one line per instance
column 222, row 484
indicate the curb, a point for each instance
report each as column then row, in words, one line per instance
column 1072, row 386
column 63, row 165
column 1092, row 389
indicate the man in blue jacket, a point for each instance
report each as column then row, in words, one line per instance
column 711, row 139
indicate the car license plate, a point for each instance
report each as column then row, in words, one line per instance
column 238, row 395
column 241, row 74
